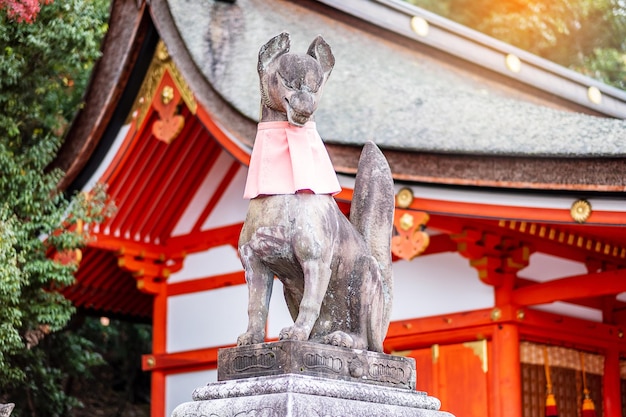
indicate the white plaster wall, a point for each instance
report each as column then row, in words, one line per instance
column 206, row 319
column 232, row 207
column 572, row 310
column 437, row 284
column 203, row 195
column 215, row 261
column 178, row 387
column 278, row 317
column 543, row 267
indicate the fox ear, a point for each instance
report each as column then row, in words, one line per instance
column 274, row 48
column 320, row 50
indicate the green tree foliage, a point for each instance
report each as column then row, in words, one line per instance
column 585, row 35
column 44, row 69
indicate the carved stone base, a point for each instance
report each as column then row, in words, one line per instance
column 304, row 396
column 315, row 359
column 298, row 379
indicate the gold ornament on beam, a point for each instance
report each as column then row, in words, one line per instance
column 580, row 211
column 404, row 198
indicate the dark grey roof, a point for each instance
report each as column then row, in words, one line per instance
column 396, row 95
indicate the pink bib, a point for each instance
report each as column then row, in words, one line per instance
column 286, row 159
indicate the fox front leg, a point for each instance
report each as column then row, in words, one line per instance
column 259, row 279
column 316, row 278
column 312, row 250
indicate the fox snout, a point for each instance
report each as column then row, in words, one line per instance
column 299, row 107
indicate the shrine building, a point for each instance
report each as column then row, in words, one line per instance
column 510, row 178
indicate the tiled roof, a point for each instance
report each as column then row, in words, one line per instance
column 395, row 92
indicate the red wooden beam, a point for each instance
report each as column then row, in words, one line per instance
column 200, row 241
column 539, row 326
column 180, row 360
column 240, row 153
column 445, row 329
column 440, row 323
column 579, row 286
column 206, row 284
column 556, row 329
column 125, row 246
column 176, row 194
column 439, row 244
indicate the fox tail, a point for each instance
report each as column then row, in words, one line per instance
column 373, row 203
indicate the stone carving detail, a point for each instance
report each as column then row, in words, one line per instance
column 247, row 362
column 315, row 360
column 383, row 372
column 336, row 272
column 309, row 358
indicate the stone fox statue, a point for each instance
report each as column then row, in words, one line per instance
column 336, row 272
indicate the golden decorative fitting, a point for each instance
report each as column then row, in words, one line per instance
column 513, row 63
column 150, row 361
column 161, row 62
column 580, row 211
column 167, row 95
column 406, row 221
column 496, row 314
column 161, row 52
column 419, row 25
column 479, row 348
column 435, row 353
column 594, row 95
column 404, row 198
column 521, row 314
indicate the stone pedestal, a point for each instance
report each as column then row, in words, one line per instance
column 308, row 379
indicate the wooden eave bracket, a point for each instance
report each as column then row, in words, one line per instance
column 149, row 264
column 149, row 271
column 571, row 240
column 495, row 257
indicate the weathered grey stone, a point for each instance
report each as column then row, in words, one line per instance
column 303, row 395
column 314, row 359
column 5, row 409
column 336, row 273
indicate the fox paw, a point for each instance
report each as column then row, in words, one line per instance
column 340, row 339
column 250, row 338
column 294, row 333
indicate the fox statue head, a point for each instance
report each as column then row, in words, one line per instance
column 291, row 84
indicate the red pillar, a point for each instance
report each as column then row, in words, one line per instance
column 159, row 323
column 506, row 376
column 611, row 384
